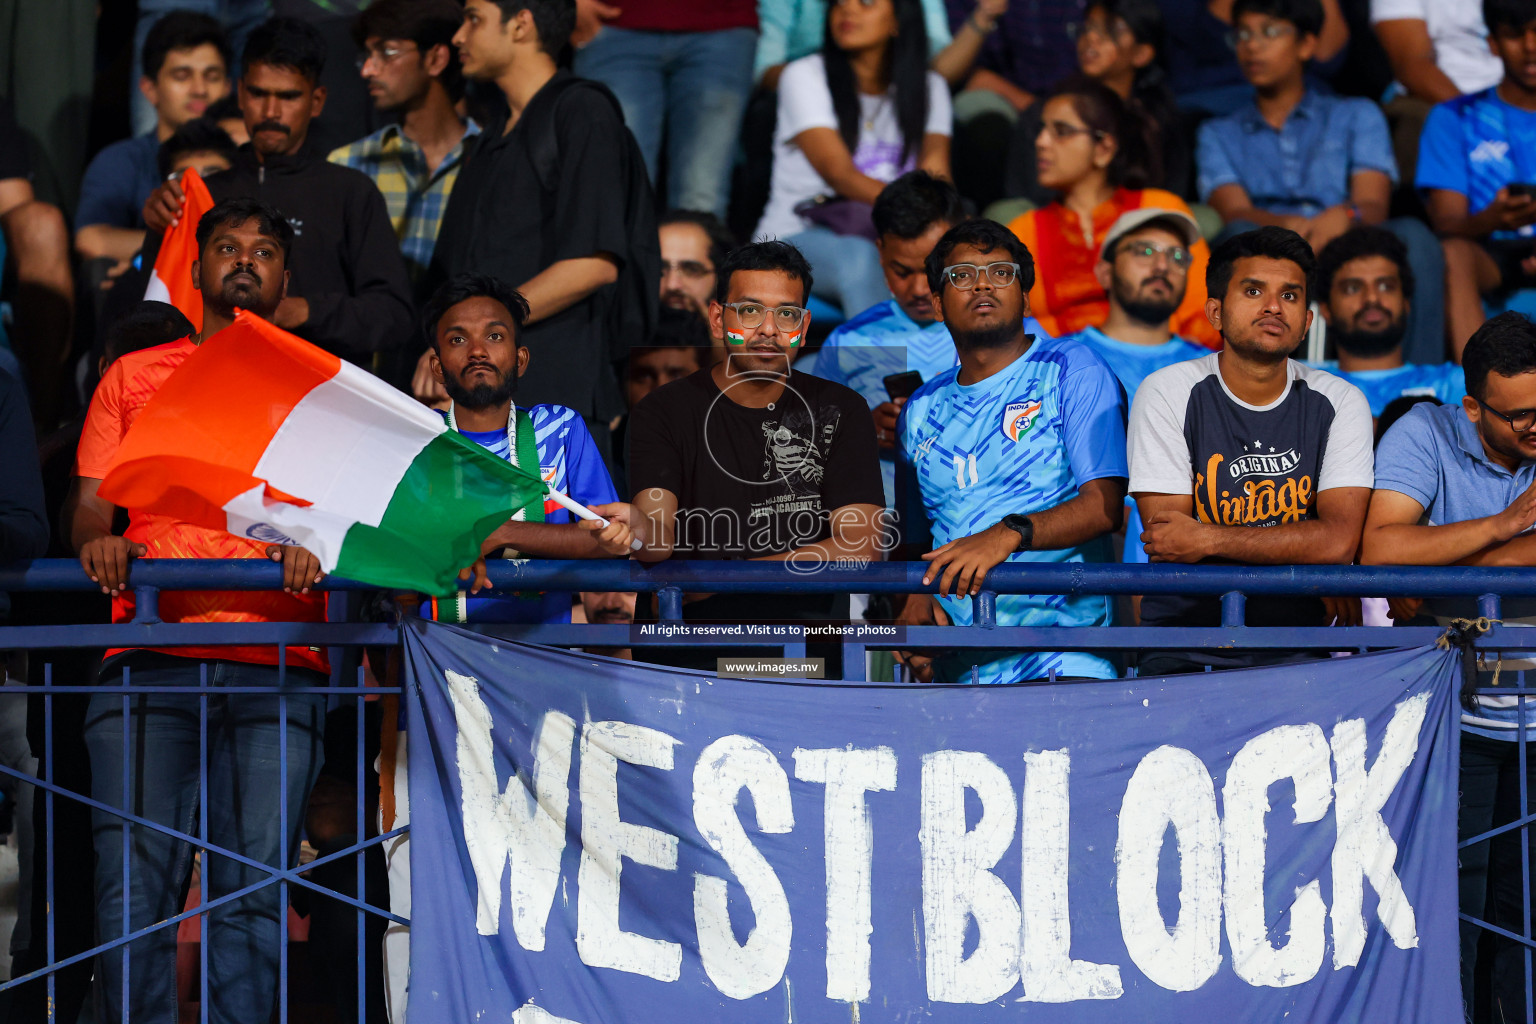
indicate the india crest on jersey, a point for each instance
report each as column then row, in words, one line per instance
column 1019, row 417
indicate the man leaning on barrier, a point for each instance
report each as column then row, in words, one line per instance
column 1018, row 455
column 244, row 247
column 751, row 459
column 1456, row 485
column 1247, row 456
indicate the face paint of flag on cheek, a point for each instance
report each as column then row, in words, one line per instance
column 734, row 338
column 794, row 339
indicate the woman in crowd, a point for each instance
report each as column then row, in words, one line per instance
column 1120, row 43
column 852, row 119
column 1091, row 153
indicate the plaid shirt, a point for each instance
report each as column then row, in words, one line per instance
column 415, row 198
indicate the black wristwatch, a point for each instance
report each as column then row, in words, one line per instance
column 1024, row 527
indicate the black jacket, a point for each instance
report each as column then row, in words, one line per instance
column 346, row 260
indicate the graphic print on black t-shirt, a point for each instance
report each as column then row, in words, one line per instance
column 795, row 450
column 1256, row 468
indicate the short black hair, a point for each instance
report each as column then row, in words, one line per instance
column 1505, row 345
column 986, row 235
column 286, row 43
column 913, row 203
column 721, row 241
column 554, row 20
column 462, row 287
column 238, row 211
column 1266, row 243
column 182, row 30
column 146, row 325
column 1358, row 242
column 1306, row 15
column 1510, row 14
column 770, row 255
column 200, row 135
column 427, row 23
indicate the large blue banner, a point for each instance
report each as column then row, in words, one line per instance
column 598, row 841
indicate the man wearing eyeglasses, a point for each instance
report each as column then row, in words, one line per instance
column 693, row 244
column 751, row 459
column 1456, row 485
column 1144, row 269
column 412, row 71
column 1017, row 455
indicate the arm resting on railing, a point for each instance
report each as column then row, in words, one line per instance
column 1173, row 535
column 1396, row 534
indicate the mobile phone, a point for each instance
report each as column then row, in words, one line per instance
column 1525, row 189
column 902, row 385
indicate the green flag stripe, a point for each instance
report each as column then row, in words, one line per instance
column 453, row 496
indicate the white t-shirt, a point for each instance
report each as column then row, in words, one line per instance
column 1459, row 37
column 805, row 102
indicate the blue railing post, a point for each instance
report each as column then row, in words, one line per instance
column 669, row 604
column 984, row 609
column 1488, row 605
column 1233, row 605
column 146, row 604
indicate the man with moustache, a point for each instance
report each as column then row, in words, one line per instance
column 1246, row 456
column 244, row 247
column 1366, row 288
column 693, row 244
column 1018, row 454
column 351, row 295
column 1144, row 269
column 1456, row 485
column 752, row 459
column 412, row 71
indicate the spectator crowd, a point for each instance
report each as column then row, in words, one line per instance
column 965, row 282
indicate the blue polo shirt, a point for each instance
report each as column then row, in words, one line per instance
column 1434, row 456
column 883, row 340
column 1307, row 165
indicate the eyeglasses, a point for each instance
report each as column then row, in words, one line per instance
column 1111, row 30
column 1177, row 254
column 688, row 268
column 1268, row 34
column 1061, row 131
column 752, row 314
column 965, row 275
column 1519, row 421
column 384, row 54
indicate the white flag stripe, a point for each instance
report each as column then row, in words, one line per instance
column 347, row 443
column 277, row 522
column 156, row 291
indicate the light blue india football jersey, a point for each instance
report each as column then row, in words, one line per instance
column 881, row 341
column 1023, row 440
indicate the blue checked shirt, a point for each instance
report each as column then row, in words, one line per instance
column 415, row 197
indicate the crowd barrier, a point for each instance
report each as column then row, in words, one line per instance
column 670, row 581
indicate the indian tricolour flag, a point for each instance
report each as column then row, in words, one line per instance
column 263, row 435
column 171, row 279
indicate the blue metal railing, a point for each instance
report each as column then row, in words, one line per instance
column 670, row 581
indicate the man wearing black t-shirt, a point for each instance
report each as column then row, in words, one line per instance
column 1247, row 456
column 750, row 459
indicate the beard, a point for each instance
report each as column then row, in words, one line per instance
column 1367, row 344
column 1152, row 312
column 988, row 337
column 481, row 396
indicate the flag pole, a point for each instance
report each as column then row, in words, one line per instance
column 581, row 511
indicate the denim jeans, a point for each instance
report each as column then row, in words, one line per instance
column 845, row 269
column 687, row 87
column 152, row 759
column 1424, row 341
column 237, row 16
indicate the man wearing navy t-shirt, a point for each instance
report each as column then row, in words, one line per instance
column 1247, row 457
column 1018, row 455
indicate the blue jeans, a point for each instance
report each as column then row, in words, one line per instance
column 845, row 269
column 1424, row 341
column 687, row 87
column 237, row 16
column 152, row 758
